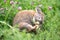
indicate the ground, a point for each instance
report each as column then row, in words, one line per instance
column 51, row 25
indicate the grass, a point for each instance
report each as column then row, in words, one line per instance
column 51, row 26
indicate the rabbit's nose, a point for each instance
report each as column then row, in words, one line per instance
column 40, row 22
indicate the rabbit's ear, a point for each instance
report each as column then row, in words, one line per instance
column 38, row 10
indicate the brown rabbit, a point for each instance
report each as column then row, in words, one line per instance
column 28, row 18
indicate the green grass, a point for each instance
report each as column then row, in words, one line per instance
column 51, row 26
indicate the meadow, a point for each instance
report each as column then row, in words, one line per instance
column 51, row 25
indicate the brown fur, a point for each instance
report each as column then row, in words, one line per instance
column 24, row 19
column 24, row 16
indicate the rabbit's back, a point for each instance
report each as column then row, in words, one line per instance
column 24, row 16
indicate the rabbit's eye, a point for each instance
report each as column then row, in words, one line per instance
column 39, row 18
